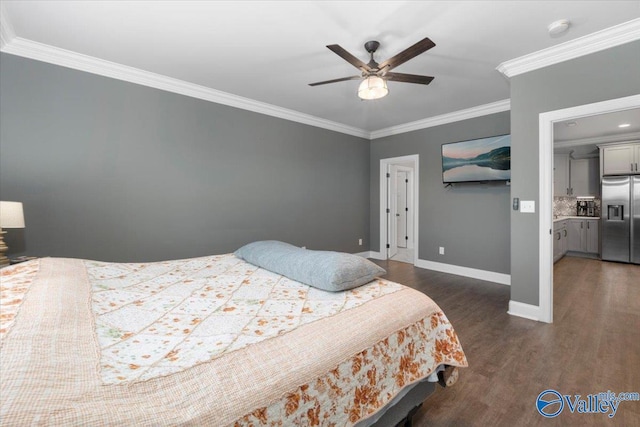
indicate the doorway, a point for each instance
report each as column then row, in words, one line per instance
column 401, row 215
column 545, row 183
column 399, row 208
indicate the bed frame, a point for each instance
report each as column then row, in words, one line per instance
column 400, row 411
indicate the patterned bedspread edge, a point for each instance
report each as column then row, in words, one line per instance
column 363, row 384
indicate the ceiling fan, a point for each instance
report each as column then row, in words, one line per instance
column 374, row 76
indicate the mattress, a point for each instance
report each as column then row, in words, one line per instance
column 207, row 341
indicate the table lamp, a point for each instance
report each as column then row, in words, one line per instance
column 11, row 216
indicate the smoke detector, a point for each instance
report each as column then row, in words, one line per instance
column 558, row 27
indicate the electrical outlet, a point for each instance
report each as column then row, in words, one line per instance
column 441, row 250
column 360, row 242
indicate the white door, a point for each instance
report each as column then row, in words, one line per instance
column 402, row 208
column 388, row 201
column 392, row 203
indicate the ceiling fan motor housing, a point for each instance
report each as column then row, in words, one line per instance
column 371, row 46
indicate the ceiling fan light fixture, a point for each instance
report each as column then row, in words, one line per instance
column 373, row 87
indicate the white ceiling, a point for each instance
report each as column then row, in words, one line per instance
column 581, row 136
column 599, row 126
column 269, row 51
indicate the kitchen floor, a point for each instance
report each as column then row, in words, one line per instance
column 591, row 347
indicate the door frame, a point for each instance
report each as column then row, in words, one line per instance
column 545, row 188
column 384, row 167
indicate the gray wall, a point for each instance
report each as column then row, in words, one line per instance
column 471, row 221
column 610, row 74
column 114, row 171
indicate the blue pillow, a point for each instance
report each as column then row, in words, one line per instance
column 327, row 270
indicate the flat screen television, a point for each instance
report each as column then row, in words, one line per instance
column 477, row 160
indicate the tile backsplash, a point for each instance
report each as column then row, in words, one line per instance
column 567, row 206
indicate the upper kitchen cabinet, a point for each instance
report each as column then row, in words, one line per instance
column 577, row 178
column 620, row 159
column 585, row 177
column 561, row 185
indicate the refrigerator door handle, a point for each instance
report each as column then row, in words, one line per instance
column 634, row 215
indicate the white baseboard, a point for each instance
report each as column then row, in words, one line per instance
column 521, row 309
column 490, row 276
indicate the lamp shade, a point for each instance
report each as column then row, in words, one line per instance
column 11, row 215
column 373, row 87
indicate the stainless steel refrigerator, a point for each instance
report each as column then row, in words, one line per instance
column 621, row 218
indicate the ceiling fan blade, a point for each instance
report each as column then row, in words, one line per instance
column 408, row 78
column 348, row 57
column 343, row 79
column 410, row 52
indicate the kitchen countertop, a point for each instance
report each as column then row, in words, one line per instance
column 560, row 218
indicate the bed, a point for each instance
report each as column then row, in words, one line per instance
column 213, row 341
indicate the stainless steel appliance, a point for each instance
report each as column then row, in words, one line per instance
column 621, row 219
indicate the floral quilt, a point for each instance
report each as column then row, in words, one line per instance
column 159, row 318
column 207, row 341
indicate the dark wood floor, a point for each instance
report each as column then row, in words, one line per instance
column 593, row 345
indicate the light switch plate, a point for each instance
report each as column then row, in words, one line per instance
column 527, row 206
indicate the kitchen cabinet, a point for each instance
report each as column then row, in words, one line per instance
column 584, row 177
column 620, row 159
column 575, row 231
column 593, row 236
column 583, row 235
column 579, row 177
column 561, row 175
column 560, row 237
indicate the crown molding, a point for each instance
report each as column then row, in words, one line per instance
column 456, row 116
column 65, row 58
column 53, row 55
column 19, row 46
column 591, row 43
column 627, row 137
